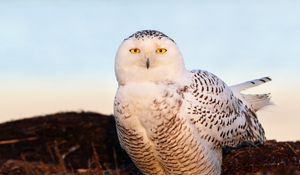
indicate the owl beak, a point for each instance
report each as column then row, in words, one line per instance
column 148, row 63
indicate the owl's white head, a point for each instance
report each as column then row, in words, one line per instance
column 148, row 55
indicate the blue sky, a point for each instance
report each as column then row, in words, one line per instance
column 59, row 55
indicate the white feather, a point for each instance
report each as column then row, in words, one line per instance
column 256, row 101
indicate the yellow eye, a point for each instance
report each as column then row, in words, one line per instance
column 135, row 50
column 161, row 50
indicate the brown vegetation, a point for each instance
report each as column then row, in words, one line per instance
column 86, row 143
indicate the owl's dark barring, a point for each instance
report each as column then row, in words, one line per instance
column 149, row 34
column 148, row 63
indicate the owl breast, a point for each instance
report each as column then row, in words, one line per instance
column 154, row 131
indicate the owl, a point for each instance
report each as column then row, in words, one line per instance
column 172, row 121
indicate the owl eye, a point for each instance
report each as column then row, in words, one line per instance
column 135, row 50
column 161, row 50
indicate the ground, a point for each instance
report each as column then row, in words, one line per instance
column 86, row 143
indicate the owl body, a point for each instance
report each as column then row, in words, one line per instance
column 174, row 121
column 166, row 142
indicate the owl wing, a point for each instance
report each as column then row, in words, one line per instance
column 219, row 115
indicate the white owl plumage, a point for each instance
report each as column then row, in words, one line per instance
column 174, row 121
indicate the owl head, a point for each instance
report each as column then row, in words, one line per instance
column 148, row 55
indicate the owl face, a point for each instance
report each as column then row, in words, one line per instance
column 148, row 56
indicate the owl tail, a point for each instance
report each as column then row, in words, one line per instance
column 256, row 101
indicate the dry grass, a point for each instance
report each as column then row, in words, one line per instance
column 24, row 167
column 87, row 144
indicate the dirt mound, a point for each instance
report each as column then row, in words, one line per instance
column 87, row 143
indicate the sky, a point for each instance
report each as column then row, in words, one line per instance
column 58, row 55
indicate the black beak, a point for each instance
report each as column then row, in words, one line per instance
column 148, row 63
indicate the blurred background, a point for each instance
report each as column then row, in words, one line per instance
column 59, row 55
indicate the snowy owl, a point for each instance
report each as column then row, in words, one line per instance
column 174, row 121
